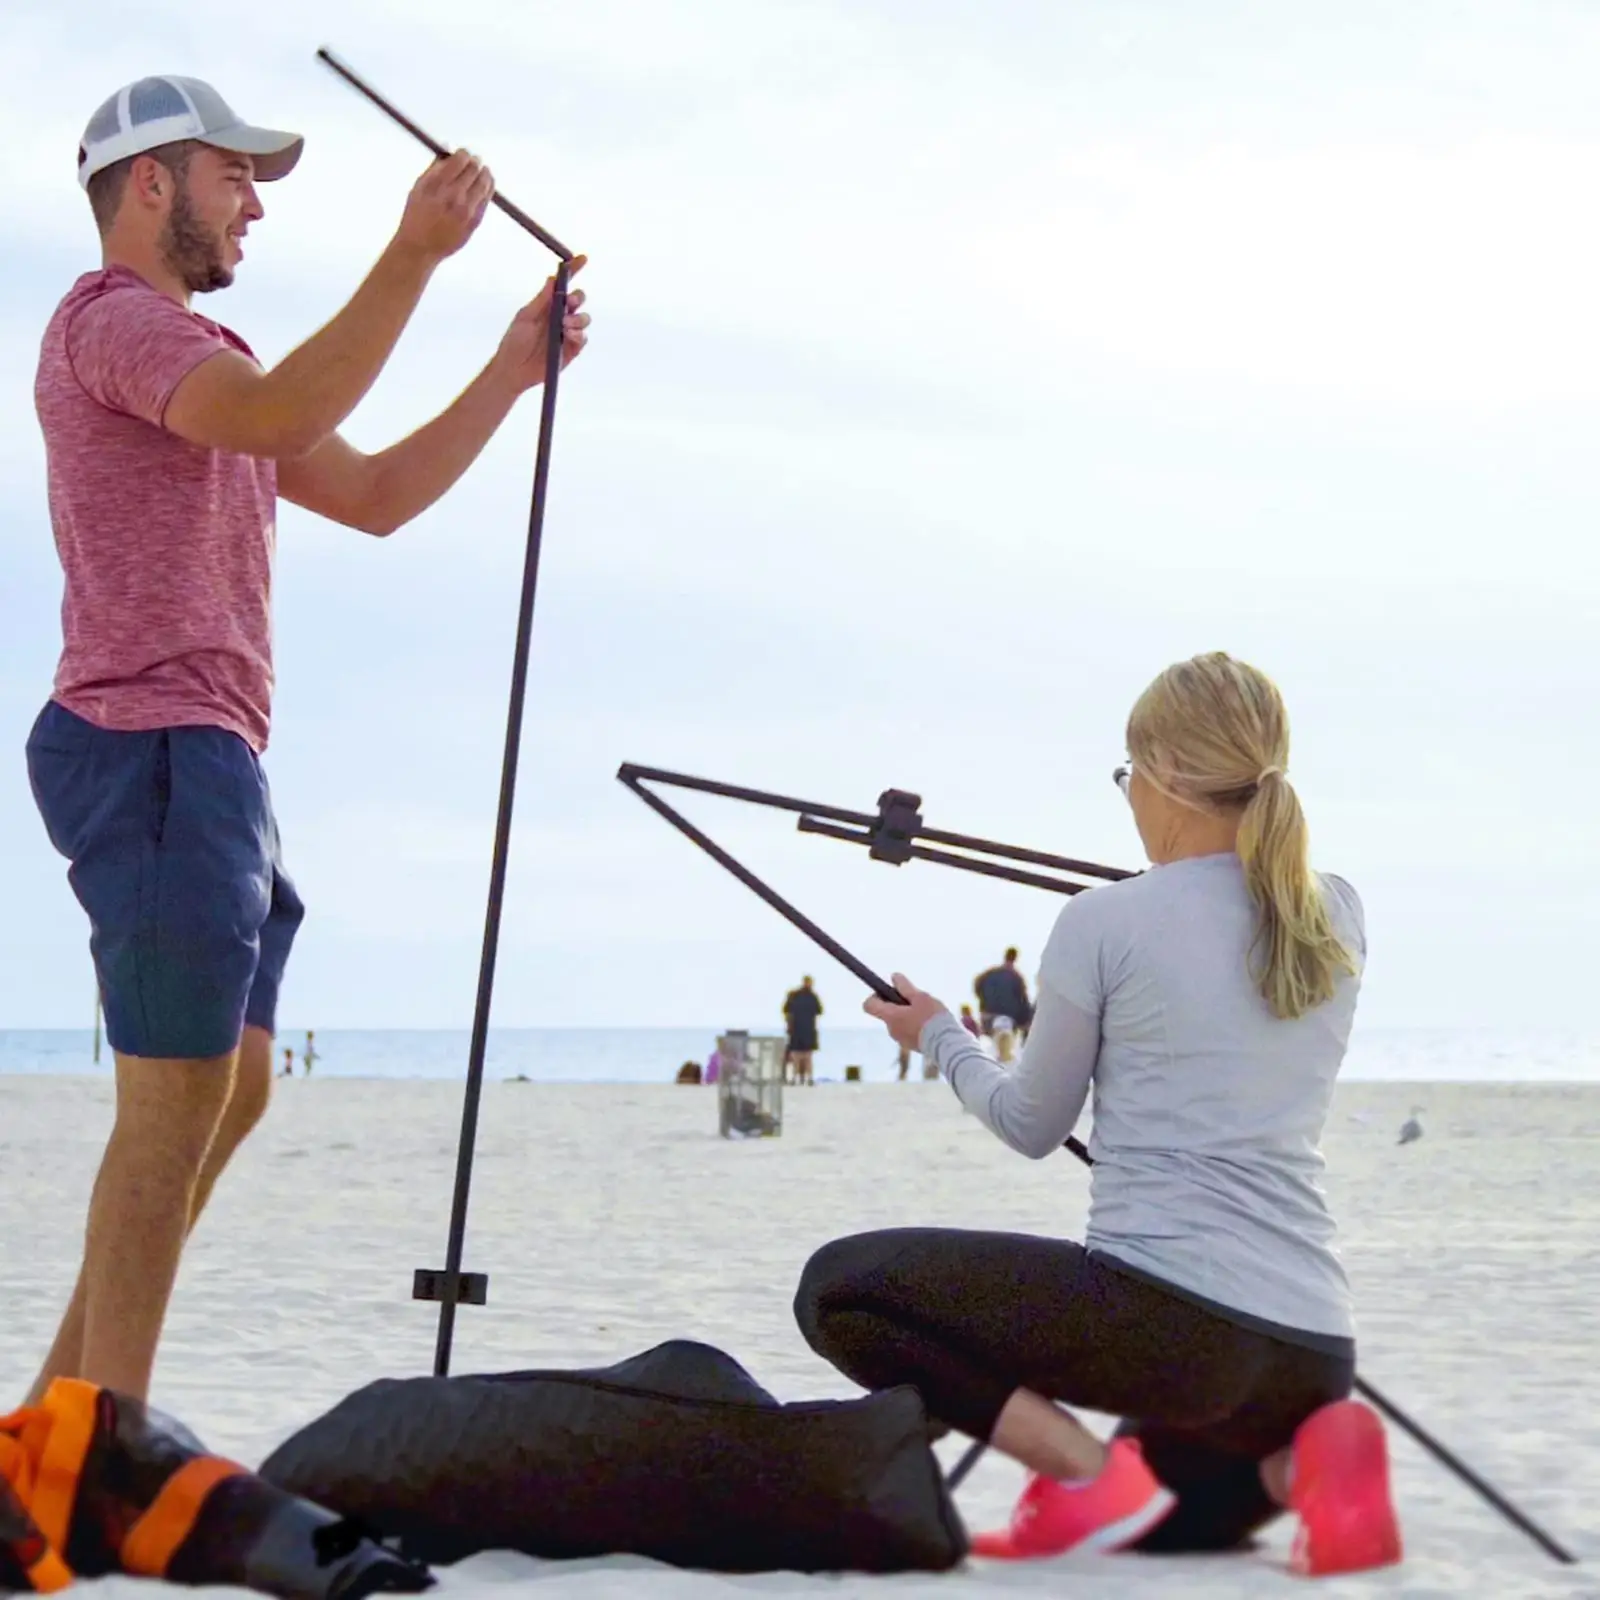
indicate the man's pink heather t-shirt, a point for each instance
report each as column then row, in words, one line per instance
column 167, row 547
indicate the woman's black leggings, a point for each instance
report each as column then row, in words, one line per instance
column 967, row 1318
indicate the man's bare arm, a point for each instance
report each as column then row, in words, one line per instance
column 229, row 403
column 380, row 493
column 335, row 481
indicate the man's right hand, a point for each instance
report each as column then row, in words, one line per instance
column 445, row 206
column 228, row 403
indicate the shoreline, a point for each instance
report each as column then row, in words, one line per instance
column 105, row 1072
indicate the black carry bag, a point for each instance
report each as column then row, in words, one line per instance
column 676, row 1454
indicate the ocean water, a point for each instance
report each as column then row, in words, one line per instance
column 653, row 1055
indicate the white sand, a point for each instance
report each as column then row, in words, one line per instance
column 612, row 1218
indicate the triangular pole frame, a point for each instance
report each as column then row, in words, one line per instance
column 890, row 835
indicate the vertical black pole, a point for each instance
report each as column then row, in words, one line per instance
column 502, row 835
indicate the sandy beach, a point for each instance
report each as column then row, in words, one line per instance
column 610, row 1218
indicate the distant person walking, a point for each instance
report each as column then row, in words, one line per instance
column 1003, row 992
column 970, row 1022
column 800, row 1011
column 310, row 1057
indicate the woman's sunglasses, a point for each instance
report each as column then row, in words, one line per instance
column 1122, row 776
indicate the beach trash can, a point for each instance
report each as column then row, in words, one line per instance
column 750, row 1085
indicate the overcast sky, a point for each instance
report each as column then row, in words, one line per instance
column 955, row 367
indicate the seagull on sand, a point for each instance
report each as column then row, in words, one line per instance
column 1411, row 1129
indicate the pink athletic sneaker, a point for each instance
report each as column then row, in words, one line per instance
column 1106, row 1513
column 1340, row 1489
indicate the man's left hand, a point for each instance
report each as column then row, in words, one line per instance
column 905, row 1023
column 522, row 351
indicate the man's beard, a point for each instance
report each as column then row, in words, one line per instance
column 192, row 252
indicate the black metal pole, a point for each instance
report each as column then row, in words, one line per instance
column 633, row 776
column 516, row 213
column 944, row 858
column 452, row 1286
column 970, row 1457
column 502, row 836
column 1011, row 852
column 1455, row 1464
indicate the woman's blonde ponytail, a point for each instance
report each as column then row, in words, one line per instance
column 1298, row 956
column 1213, row 733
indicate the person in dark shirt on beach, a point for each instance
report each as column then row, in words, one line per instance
column 168, row 447
column 1003, row 992
column 801, row 1009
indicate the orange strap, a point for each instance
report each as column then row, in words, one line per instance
column 45, row 1570
column 154, row 1539
column 23, row 1436
column 49, row 1573
column 70, row 1404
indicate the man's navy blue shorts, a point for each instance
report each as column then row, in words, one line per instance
column 174, row 855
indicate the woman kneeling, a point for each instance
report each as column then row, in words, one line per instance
column 1209, row 1002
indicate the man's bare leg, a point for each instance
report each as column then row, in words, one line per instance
column 251, row 1089
column 66, row 1354
column 167, row 1116
column 247, row 1104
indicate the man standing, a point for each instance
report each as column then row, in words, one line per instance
column 1003, row 992
column 801, row 1008
column 167, row 446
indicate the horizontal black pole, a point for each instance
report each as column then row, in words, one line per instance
column 943, row 858
column 632, row 774
column 1038, row 858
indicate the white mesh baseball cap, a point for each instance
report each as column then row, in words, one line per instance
column 156, row 111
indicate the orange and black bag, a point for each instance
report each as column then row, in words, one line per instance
column 27, row 1561
column 93, row 1483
